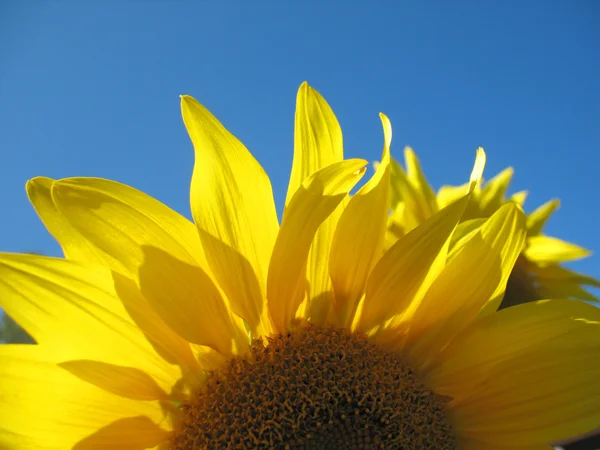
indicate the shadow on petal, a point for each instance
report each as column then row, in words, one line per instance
column 168, row 344
column 186, row 298
column 236, row 276
column 132, row 433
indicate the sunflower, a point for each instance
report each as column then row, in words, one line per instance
column 537, row 274
column 239, row 332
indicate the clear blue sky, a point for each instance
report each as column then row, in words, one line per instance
column 91, row 88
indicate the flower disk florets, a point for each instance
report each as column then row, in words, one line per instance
column 316, row 388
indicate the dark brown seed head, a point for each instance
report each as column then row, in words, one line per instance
column 315, row 388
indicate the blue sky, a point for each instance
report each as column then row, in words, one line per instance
column 91, row 89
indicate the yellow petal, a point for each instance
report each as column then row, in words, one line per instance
column 73, row 244
column 104, row 250
column 131, row 433
column 538, row 218
column 449, row 194
column 405, row 272
column 317, row 137
column 74, row 311
column 519, row 197
column 317, row 143
column 426, row 198
column 358, row 239
column 492, row 194
column 402, row 218
column 233, row 207
column 477, row 172
column 118, row 220
column 526, row 375
column 562, row 274
column 563, row 289
column 125, row 381
column 555, row 281
column 508, row 234
column 549, row 250
column 473, row 210
column 395, row 228
column 167, row 343
column 399, row 185
column 46, row 407
column 476, row 273
column 318, row 197
column 409, row 193
column 463, row 232
column 157, row 247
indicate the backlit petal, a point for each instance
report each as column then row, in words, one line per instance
column 562, row 274
column 493, row 193
column 405, row 272
column 526, row 375
column 131, row 433
column 359, row 236
column 75, row 246
column 563, row 289
column 449, row 194
column 124, row 219
column 157, row 247
column 538, row 218
column 317, row 143
column 507, row 234
column 317, row 137
column 463, row 232
column 75, row 311
column 407, row 199
column 549, row 250
column 44, row 407
column 519, row 197
column 452, row 303
column 318, row 197
column 233, row 207
column 557, row 281
column 125, row 381
column 102, row 249
column 427, row 201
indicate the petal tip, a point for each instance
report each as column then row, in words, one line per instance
column 187, row 101
column 304, row 90
column 33, row 183
column 387, row 132
column 477, row 173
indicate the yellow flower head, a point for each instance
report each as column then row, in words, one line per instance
column 537, row 274
column 241, row 332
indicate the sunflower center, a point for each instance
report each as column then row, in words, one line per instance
column 315, row 388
